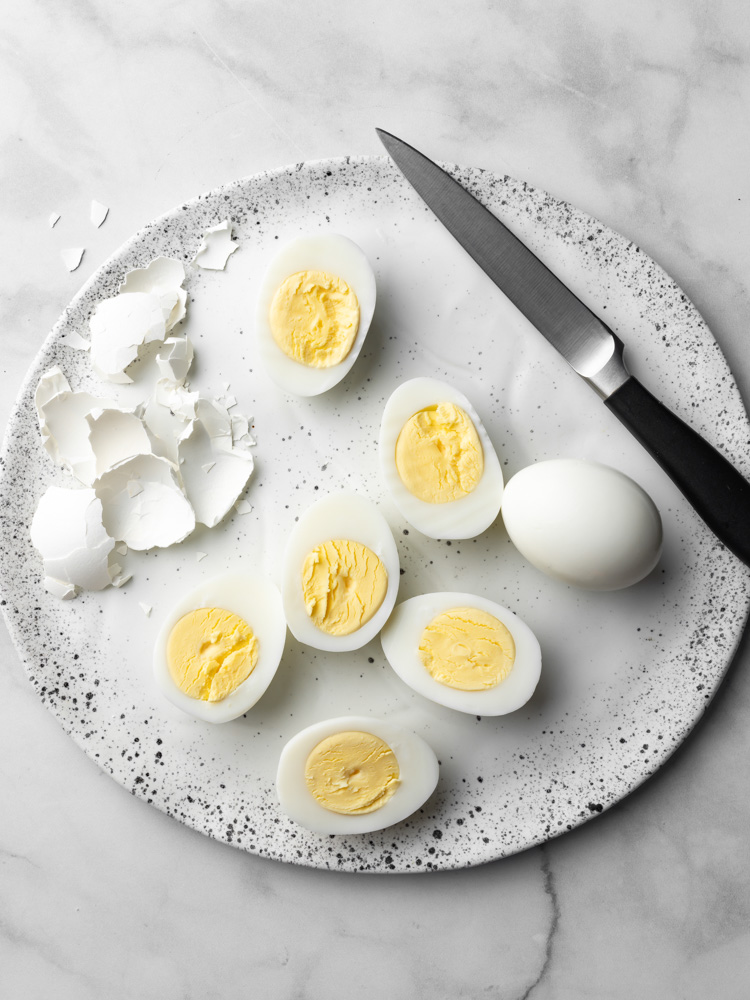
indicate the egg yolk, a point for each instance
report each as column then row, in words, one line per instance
column 468, row 649
column 210, row 652
column 352, row 773
column 314, row 318
column 439, row 455
column 343, row 585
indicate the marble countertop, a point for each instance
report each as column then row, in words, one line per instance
column 637, row 114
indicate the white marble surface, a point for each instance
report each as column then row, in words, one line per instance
column 638, row 113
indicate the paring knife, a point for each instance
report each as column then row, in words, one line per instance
column 713, row 486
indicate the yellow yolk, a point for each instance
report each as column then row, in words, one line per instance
column 314, row 318
column 343, row 585
column 468, row 649
column 439, row 455
column 352, row 773
column 210, row 652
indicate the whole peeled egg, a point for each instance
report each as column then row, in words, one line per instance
column 341, row 573
column 438, row 462
column 354, row 774
column 314, row 308
column 463, row 651
column 583, row 523
column 219, row 647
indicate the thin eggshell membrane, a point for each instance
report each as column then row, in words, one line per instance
column 337, row 255
column 253, row 598
column 400, row 640
column 464, row 518
column 348, row 516
column 418, row 776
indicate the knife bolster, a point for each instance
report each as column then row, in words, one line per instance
column 612, row 375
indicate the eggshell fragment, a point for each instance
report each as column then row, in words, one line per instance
column 53, row 219
column 216, row 461
column 72, row 257
column 157, row 515
column 174, row 359
column 68, row 532
column 63, row 424
column 114, row 436
column 163, row 277
column 216, row 248
column 119, row 327
column 98, row 213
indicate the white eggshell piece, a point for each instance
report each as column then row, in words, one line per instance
column 168, row 415
column 252, row 597
column 68, row 533
column 53, row 219
column 98, row 213
column 119, row 327
column 216, row 248
column 174, row 359
column 418, row 767
column 114, row 437
column 336, row 255
column 464, row 518
column 157, row 515
column 210, row 442
column 400, row 640
column 72, row 257
column 583, row 523
column 63, row 424
column 340, row 515
column 163, row 277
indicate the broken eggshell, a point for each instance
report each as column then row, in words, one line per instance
column 63, row 425
column 68, row 532
column 174, row 358
column 216, row 248
column 143, row 503
column 215, row 460
column 163, row 277
column 119, row 327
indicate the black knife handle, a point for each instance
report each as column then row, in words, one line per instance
column 713, row 486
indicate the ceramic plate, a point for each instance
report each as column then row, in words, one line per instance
column 626, row 675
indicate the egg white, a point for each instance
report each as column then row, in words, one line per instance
column 400, row 640
column 464, row 518
column 255, row 599
column 339, row 515
column 583, row 523
column 418, row 776
column 337, row 255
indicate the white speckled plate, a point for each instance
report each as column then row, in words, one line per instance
column 626, row 675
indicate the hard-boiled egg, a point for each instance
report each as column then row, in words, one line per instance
column 463, row 651
column 219, row 647
column 438, row 462
column 354, row 775
column 341, row 573
column 583, row 523
column 314, row 309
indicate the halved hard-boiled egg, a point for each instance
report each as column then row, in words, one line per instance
column 220, row 646
column 463, row 651
column 341, row 573
column 354, row 774
column 315, row 306
column 438, row 462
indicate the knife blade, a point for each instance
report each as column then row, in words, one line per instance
column 712, row 485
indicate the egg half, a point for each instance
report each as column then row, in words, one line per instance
column 583, row 523
column 316, row 765
column 331, row 255
column 254, row 600
column 404, row 634
column 340, row 517
column 473, row 512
